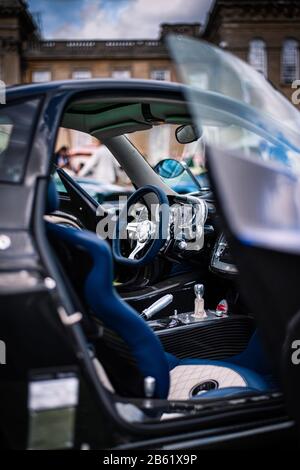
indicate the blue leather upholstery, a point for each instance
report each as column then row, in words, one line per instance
column 144, row 345
column 113, row 311
column 254, row 356
column 252, row 378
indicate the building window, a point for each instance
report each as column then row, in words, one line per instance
column 40, row 76
column 290, row 61
column 161, row 74
column 81, row 74
column 258, row 56
column 121, row 74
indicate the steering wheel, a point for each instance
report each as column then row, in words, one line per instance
column 148, row 235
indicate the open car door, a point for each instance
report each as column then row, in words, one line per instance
column 252, row 136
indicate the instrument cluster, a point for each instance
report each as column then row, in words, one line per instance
column 186, row 225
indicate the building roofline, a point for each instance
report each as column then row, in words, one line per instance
column 256, row 4
column 20, row 8
column 95, row 49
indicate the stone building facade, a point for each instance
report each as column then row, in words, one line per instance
column 25, row 57
column 265, row 33
column 17, row 28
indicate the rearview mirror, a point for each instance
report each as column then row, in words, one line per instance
column 169, row 168
column 187, row 134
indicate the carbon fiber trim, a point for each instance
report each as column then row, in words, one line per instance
column 219, row 339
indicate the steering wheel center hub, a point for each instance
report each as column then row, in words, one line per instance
column 144, row 230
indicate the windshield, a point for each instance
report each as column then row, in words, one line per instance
column 238, row 109
column 159, row 143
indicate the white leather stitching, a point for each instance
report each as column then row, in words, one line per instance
column 184, row 378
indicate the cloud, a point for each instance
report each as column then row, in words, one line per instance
column 120, row 19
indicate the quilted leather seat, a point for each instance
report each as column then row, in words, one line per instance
column 174, row 378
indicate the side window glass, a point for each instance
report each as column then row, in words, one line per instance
column 16, row 125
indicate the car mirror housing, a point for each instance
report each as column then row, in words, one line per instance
column 186, row 134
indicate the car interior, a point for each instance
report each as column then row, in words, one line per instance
column 140, row 282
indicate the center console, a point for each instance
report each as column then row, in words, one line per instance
column 214, row 338
column 201, row 333
column 197, row 316
column 184, row 319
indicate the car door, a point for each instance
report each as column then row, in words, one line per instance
column 253, row 157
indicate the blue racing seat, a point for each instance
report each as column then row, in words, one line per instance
column 175, row 379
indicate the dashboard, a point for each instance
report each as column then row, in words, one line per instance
column 191, row 238
column 193, row 233
column 187, row 217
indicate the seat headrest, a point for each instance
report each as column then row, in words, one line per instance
column 52, row 203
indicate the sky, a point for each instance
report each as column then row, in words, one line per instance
column 114, row 19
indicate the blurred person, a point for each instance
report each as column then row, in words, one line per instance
column 101, row 166
column 62, row 157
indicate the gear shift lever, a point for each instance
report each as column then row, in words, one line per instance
column 199, row 311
